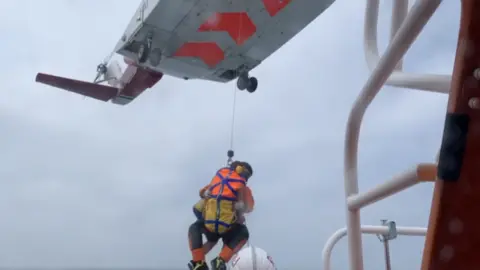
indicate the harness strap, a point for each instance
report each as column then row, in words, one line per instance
column 224, row 183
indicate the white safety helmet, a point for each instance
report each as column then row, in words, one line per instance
column 252, row 258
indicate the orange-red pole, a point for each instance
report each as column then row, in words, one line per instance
column 453, row 238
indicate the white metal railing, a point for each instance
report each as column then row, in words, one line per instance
column 386, row 70
column 378, row 230
column 426, row 82
column 421, row 173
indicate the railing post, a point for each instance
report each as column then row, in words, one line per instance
column 413, row 24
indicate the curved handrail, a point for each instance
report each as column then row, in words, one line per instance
column 339, row 234
column 416, row 19
column 398, row 78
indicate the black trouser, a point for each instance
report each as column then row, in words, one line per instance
column 237, row 234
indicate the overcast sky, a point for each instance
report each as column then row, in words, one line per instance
column 90, row 184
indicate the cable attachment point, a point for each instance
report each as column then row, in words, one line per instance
column 230, row 154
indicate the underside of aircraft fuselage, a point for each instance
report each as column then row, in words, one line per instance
column 213, row 40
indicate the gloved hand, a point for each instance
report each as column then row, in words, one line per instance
column 206, row 193
column 240, row 206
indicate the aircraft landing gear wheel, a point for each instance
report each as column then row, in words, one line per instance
column 246, row 82
column 143, row 53
column 243, row 82
column 252, row 84
column 155, row 57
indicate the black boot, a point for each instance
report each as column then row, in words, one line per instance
column 202, row 265
column 218, row 264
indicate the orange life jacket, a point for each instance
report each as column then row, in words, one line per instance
column 219, row 211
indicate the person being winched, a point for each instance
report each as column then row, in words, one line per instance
column 220, row 216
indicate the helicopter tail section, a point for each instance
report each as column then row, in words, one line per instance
column 92, row 90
